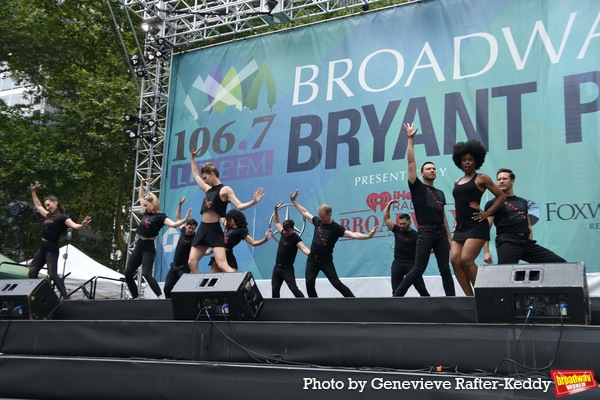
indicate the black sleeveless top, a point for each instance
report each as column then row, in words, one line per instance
column 212, row 201
column 466, row 227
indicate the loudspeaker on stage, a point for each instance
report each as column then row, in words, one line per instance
column 27, row 299
column 546, row 293
column 232, row 296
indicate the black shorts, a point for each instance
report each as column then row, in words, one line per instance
column 209, row 234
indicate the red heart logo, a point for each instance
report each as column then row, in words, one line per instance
column 381, row 200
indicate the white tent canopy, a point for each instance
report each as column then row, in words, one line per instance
column 80, row 268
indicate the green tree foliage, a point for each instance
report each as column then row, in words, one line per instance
column 71, row 52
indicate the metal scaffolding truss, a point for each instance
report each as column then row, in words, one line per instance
column 189, row 22
column 179, row 25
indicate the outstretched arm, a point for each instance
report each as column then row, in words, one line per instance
column 299, row 207
column 142, row 189
column 278, row 225
column 228, row 191
column 36, row 201
column 195, row 173
column 74, row 225
column 249, row 239
column 411, row 131
column 178, row 212
column 386, row 215
column 360, row 236
column 174, row 224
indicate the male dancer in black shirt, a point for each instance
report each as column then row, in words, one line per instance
column 514, row 237
column 180, row 266
column 327, row 233
column 434, row 233
column 405, row 244
column 289, row 243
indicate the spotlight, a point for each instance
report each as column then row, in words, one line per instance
column 135, row 60
column 150, row 123
column 130, row 118
column 131, row 134
column 16, row 208
column 151, row 138
column 150, row 26
column 141, row 72
column 161, row 41
column 151, row 56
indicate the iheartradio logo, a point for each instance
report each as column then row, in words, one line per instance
column 375, row 200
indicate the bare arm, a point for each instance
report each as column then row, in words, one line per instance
column 487, row 256
column 142, row 189
column 360, row 236
column 174, row 224
column 74, row 225
column 278, row 225
column 303, row 248
column 36, row 201
column 195, row 173
column 486, row 181
column 299, row 207
column 410, row 151
column 386, row 215
column 178, row 212
column 249, row 239
column 232, row 198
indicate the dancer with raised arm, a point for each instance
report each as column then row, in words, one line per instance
column 327, row 232
column 144, row 251
column 56, row 221
column 289, row 243
column 214, row 206
column 434, row 234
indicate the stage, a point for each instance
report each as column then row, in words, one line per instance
column 414, row 348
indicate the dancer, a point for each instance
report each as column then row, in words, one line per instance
column 405, row 245
column 514, row 236
column 433, row 234
column 214, row 206
column 289, row 243
column 236, row 230
column 179, row 266
column 55, row 221
column 144, row 251
column 327, row 232
column 472, row 229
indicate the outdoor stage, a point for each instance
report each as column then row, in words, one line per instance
column 295, row 349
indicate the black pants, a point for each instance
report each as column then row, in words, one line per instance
column 284, row 273
column 173, row 276
column 48, row 254
column 313, row 266
column 512, row 248
column 399, row 270
column 143, row 254
column 430, row 237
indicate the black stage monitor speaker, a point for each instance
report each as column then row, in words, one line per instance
column 543, row 293
column 232, row 295
column 27, row 299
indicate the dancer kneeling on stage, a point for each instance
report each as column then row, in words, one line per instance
column 514, row 237
column 214, row 207
column 289, row 243
column 327, row 232
column 144, row 252
column 55, row 223
column 236, row 230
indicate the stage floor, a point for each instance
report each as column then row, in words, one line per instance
column 295, row 349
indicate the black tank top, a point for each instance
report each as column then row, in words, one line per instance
column 464, row 195
column 212, row 201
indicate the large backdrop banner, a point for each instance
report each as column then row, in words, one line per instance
column 320, row 108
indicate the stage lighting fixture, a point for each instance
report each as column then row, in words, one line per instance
column 151, row 55
column 131, row 134
column 16, row 208
column 150, row 123
column 141, row 72
column 130, row 118
column 150, row 26
column 161, row 41
column 134, row 60
column 151, row 138
column 271, row 4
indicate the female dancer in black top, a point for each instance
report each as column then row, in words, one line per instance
column 55, row 221
column 144, row 252
column 236, row 230
column 472, row 229
column 214, row 206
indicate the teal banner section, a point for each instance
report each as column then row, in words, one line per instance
column 320, row 108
